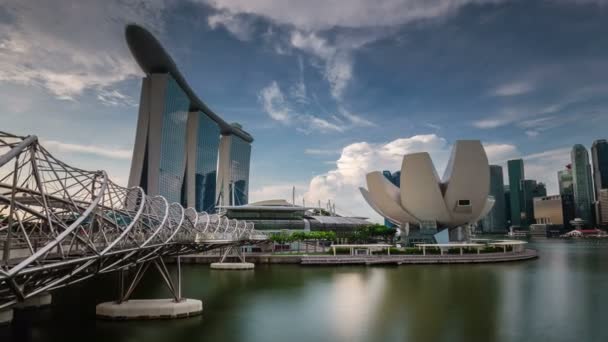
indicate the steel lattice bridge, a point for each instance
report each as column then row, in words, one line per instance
column 60, row 225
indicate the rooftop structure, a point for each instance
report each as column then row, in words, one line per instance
column 278, row 215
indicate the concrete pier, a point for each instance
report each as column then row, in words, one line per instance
column 149, row 309
column 36, row 301
column 232, row 266
column 6, row 316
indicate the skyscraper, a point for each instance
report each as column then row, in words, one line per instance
column 516, row 175
column 233, row 171
column 599, row 155
column 178, row 136
column 496, row 221
column 583, row 188
column 564, row 180
column 530, row 190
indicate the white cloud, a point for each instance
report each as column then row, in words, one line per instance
column 317, row 15
column 239, row 26
column 115, row 98
column 512, row 89
column 277, row 191
column 500, row 153
column 543, row 167
column 309, row 21
column 66, row 47
column 340, row 185
column 316, row 151
column 278, row 108
column 354, row 119
column 101, row 151
column 274, row 103
column 356, row 160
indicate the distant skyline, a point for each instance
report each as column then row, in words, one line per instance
column 329, row 90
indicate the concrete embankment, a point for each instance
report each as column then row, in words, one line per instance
column 330, row 260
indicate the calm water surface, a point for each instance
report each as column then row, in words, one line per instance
column 563, row 296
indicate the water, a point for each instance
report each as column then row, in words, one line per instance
column 563, row 296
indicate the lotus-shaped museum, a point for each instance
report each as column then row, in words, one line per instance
column 427, row 202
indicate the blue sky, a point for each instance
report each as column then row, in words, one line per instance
column 329, row 89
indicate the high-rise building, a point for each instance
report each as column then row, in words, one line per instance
column 564, row 180
column 602, row 208
column 508, row 205
column 554, row 210
column 515, row 169
column 233, row 171
column 530, row 190
column 496, row 221
column 599, row 156
column 178, row 136
column 583, row 188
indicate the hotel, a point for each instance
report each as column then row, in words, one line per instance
column 183, row 150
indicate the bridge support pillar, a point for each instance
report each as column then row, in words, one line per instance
column 6, row 316
column 38, row 301
column 149, row 309
column 126, row 309
column 233, row 251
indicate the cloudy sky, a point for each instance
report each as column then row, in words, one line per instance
column 329, row 89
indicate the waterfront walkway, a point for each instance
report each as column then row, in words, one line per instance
column 319, row 260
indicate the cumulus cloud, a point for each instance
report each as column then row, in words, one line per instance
column 341, row 184
column 67, row 48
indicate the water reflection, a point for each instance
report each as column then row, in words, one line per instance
column 560, row 297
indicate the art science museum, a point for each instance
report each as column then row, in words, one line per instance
column 183, row 150
column 428, row 209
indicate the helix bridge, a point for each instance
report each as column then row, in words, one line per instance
column 60, row 225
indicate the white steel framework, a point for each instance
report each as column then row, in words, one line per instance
column 60, row 225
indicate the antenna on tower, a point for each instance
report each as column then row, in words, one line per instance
column 293, row 196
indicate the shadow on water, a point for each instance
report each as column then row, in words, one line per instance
column 559, row 297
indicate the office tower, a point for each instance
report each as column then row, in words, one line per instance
column 530, row 190
column 508, row 205
column 564, row 180
column 599, row 156
column 602, row 208
column 515, row 169
column 554, row 210
column 583, row 188
column 496, row 221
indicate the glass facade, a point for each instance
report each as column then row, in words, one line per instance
column 173, row 142
column 207, row 144
column 564, row 179
column 583, row 189
column 496, row 221
column 531, row 190
column 599, row 153
column 240, row 154
column 516, row 175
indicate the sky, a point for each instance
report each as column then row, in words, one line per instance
column 330, row 90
